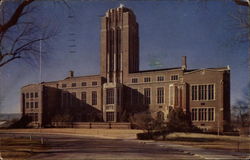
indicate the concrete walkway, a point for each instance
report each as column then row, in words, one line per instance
column 212, row 154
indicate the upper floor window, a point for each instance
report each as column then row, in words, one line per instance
column 160, row 78
column 174, row 77
column 84, row 83
column 36, row 104
column 31, row 95
column 147, row 79
column 202, row 92
column 27, row 95
column 94, row 83
column 73, row 85
column 36, row 94
column 64, row 85
column 134, row 80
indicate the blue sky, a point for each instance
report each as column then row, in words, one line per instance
column 205, row 33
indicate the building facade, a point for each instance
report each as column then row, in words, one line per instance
column 122, row 88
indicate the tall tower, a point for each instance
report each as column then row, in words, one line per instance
column 119, row 57
column 119, row 44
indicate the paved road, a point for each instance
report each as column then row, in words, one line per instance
column 81, row 148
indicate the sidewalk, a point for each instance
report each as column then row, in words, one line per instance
column 212, row 154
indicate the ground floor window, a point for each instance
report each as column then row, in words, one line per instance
column 203, row 114
column 110, row 116
column 33, row 116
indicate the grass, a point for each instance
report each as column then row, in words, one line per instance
column 19, row 148
column 207, row 141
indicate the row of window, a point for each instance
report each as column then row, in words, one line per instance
column 159, row 79
column 31, row 95
column 147, row 96
column 31, row 105
column 33, row 116
column 203, row 114
column 83, row 84
column 70, row 98
column 203, row 92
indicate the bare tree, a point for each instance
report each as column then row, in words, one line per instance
column 20, row 32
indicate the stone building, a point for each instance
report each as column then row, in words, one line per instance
column 122, row 87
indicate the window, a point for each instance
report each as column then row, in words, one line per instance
column 84, row 83
column 27, row 95
column 110, row 96
column 31, row 105
column 36, row 94
column 94, row 98
column 171, row 95
column 174, row 77
column 36, row 104
column 147, row 79
column 210, row 114
column 27, row 104
column 146, row 95
column 160, row 95
column 160, row 116
column 64, row 85
column 202, row 92
column 31, row 95
column 160, row 78
column 134, row 96
column 36, row 117
column 110, row 116
column 194, row 114
column 210, row 92
column 73, row 85
column 202, row 114
column 134, row 80
column 84, row 97
column 94, row 83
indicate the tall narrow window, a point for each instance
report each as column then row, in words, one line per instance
column 210, row 92
column 134, row 96
column 94, row 98
column 160, row 95
column 171, row 95
column 84, row 97
column 147, row 96
column 110, row 96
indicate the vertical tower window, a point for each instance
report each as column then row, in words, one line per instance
column 110, row 96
